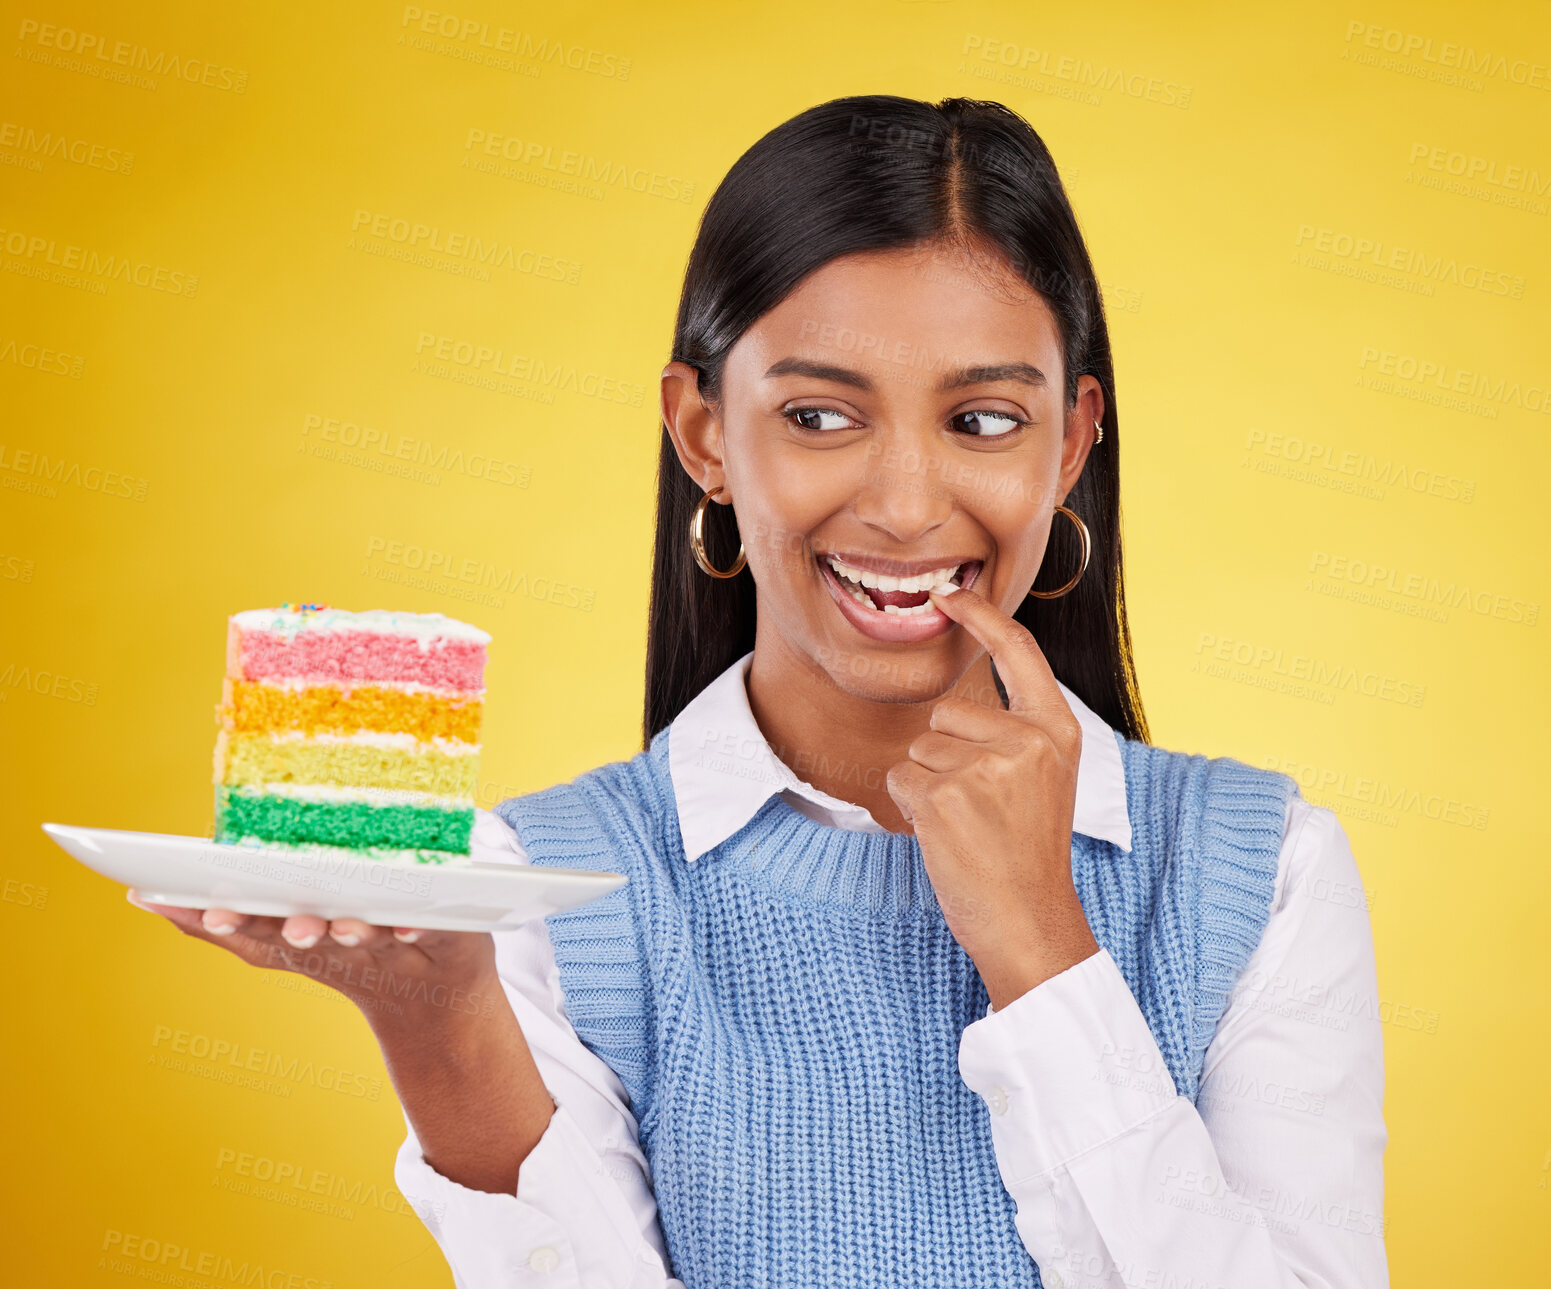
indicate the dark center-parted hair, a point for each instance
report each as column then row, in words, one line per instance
column 865, row 173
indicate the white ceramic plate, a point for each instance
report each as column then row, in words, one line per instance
column 197, row 873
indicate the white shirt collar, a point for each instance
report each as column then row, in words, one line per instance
column 724, row 770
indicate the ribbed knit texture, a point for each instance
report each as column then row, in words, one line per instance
column 785, row 1013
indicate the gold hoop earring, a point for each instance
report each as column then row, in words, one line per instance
column 697, row 540
column 1087, row 548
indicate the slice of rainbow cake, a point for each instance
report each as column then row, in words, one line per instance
column 350, row 732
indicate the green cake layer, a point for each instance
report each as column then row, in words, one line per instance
column 340, row 823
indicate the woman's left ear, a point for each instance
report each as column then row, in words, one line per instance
column 1081, row 431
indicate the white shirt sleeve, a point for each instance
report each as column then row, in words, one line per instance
column 584, row 1214
column 1274, row 1177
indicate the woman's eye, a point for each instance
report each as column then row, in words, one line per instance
column 812, row 418
column 987, row 425
column 981, row 425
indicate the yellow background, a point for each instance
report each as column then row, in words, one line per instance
column 1205, row 213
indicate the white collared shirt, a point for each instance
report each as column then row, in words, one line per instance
column 1272, row 1179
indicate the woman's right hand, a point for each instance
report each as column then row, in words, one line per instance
column 451, row 1042
column 403, row 976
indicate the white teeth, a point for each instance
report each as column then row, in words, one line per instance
column 883, row 582
column 860, row 598
column 854, row 579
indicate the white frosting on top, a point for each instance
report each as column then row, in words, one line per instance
column 423, row 627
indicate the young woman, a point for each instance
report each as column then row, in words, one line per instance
column 931, row 969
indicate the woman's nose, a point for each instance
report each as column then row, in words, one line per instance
column 902, row 492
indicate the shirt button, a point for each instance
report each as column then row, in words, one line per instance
column 543, row 1258
column 1052, row 1279
column 996, row 1098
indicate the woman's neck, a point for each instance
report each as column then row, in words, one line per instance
column 835, row 740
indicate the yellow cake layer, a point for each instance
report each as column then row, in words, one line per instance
column 256, row 759
column 253, row 707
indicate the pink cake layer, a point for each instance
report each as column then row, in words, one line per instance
column 353, row 655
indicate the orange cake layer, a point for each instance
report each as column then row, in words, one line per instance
column 254, row 707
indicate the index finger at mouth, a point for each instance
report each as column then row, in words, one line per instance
column 1020, row 662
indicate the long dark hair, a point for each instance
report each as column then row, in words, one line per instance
column 871, row 172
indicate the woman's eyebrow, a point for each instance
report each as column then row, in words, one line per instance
column 1026, row 373
column 819, row 371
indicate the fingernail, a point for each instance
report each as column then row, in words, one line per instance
column 129, row 894
column 226, row 928
column 408, row 937
column 305, row 942
column 946, row 588
column 348, row 940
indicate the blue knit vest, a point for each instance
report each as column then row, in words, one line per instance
column 785, row 1013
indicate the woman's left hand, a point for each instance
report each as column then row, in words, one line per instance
column 991, row 795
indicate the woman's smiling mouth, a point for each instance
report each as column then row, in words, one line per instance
column 886, row 599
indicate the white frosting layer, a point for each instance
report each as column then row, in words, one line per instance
column 376, row 796
column 423, row 627
column 400, row 742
